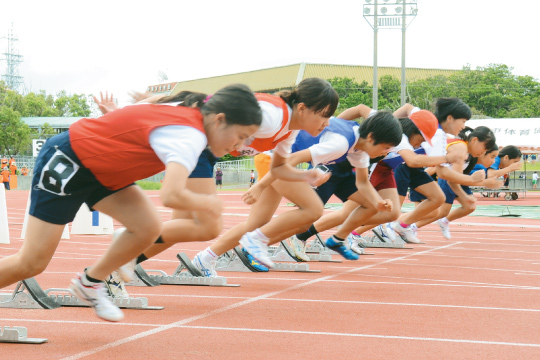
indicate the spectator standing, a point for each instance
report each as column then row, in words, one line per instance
column 534, row 179
column 219, row 177
column 252, row 178
column 5, row 177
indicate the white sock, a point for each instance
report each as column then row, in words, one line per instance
column 258, row 233
column 445, row 220
column 209, row 252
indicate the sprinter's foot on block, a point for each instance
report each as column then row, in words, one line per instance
column 339, row 246
column 257, row 248
column 96, row 297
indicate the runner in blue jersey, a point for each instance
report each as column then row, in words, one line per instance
column 341, row 146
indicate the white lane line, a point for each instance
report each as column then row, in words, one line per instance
column 471, row 267
column 483, row 342
column 233, row 306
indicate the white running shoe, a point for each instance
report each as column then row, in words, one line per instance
column 445, row 228
column 257, row 249
column 406, row 233
column 299, row 248
column 207, row 268
column 116, row 286
column 353, row 241
column 384, row 233
column 96, row 297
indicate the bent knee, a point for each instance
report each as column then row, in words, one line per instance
column 27, row 268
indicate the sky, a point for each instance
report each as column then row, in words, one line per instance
column 84, row 47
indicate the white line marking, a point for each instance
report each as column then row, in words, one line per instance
column 233, row 306
column 483, row 342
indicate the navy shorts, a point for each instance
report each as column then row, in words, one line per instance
column 407, row 177
column 449, row 193
column 61, row 184
column 342, row 183
column 205, row 165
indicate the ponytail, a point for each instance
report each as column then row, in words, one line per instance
column 482, row 133
column 238, row 104
column 186, row 98
column 317, row 94
column 512, row 151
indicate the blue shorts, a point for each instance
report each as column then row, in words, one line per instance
column 205, row 165
column 61, row 184
column 407, row 177
column 449, row 193
column 342, row 183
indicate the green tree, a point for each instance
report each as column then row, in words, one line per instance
column 14, row 134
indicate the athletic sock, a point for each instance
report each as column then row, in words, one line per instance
column 159, row 240
column 89, row 281
column 403, row 225
column 355, row 233
column 141, row 258
column 338, row 239
column 258, row 233
column 210, row 253
column 307, row 234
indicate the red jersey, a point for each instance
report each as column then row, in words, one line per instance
column 115, row 147
column 265, row 144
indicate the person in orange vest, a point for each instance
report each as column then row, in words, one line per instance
column 12, row 167
column 24, row 171
column 5, row 177
column 11, row 160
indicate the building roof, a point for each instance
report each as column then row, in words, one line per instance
column 54, row 122
column 285, row 77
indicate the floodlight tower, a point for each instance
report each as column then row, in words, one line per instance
column 392, row 14
column 13, row 59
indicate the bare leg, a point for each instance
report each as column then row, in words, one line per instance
column 136, row 212
column 38, row 248
column 435, row 198
column 200, row 226
column 260, row 213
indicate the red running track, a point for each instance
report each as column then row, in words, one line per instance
column 474, row 297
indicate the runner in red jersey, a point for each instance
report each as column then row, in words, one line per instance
column 97, row 161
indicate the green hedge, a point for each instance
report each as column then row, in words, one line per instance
column 149, row 185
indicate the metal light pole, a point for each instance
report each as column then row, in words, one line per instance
column 392, row 14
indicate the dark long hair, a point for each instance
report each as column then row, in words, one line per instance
column 451, row 106
column 512, row 151
column 482, row 133
column 317, row 94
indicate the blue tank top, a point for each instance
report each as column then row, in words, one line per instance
column 347, row 128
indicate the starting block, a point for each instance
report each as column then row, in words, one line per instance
column 317, row 251
column 374, row 241
column 185, row 274
column 36, row 298
column 18, row 335
column 236, row 260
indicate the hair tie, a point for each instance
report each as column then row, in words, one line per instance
column 207, row 98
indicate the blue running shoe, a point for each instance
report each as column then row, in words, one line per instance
column 254, row 262
column 340, row 247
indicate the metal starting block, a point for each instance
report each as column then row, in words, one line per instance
column 284, row 259
column 18, row 335
column 236, row 260
column 36, row 298
column 373, row 241
column 317, row 251
column 185, row 274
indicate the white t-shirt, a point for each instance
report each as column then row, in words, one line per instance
column 177, row 143
column 535, row 176
column 332, row 146
column 272, row 120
